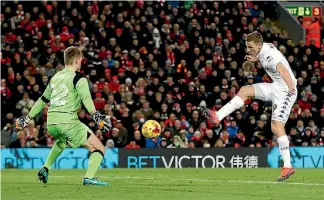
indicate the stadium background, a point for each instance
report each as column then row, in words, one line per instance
column 156, row 60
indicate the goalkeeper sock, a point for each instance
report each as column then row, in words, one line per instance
column 94, row 163
column 56, row 150
column 230, row 107
column 283, row 142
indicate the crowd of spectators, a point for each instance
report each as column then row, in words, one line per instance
column 155, row 60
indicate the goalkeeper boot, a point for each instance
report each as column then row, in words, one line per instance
column 43, row 175
column 210, row 115
column 94, row 181
column 285, row 173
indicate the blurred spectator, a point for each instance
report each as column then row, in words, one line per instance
column 295, row 138
column 233, row 128
column 300, row 127
column 20, row 141
column 183, row 139
column 26, row 102
column 6, row 136
column 31, row 130
column 224, row 137
column 100, row 136
column 313, row 34
column 307, row 136
column 210, row 137
column 110, row 143
column 321, row 137
column 123, row 133
column 99, row 102
column 132, row 145
column 240, row 139
column 114, row 135
column 139, row 139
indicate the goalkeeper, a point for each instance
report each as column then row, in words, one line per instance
column 65, row 92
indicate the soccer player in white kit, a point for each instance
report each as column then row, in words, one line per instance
column 281, row 92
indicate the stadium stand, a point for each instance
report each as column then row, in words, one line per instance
column 155, row 60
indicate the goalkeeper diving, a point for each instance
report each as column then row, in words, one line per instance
column 65, row 92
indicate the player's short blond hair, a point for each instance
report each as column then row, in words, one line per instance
column 254, row 37
column 70, row 54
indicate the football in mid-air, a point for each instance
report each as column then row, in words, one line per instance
column 151, row 129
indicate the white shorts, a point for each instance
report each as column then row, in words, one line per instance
column 282, row 101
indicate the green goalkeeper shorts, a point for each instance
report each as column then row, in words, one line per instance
column 75, row 134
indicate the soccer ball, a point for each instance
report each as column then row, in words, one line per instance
column 151, row 129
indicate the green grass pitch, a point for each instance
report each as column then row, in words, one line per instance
column 165, row 184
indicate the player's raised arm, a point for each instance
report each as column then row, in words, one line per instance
column 82, row 88
column 22, row 121
column 275, row 60
column 286, row 76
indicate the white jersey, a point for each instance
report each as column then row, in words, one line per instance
column 269, row 57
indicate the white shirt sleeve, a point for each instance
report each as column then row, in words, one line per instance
column 273, row 58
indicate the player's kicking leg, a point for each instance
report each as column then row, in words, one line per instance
column 236, row 103
column 94, row 145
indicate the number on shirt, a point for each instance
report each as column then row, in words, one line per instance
column 59, row 93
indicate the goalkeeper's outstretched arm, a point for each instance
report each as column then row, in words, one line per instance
column 23, row 121
column 83, row 90
column 40, row 103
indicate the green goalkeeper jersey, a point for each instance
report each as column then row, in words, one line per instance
column 65, row 92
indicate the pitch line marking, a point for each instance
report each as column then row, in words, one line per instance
column 204, row 180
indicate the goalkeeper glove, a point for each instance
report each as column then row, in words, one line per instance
column 103, row 121
column 21, row 123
